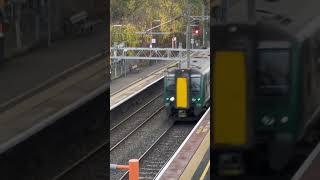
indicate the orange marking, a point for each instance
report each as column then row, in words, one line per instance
column 133, row 169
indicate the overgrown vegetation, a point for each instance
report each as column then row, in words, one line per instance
column 140, row 15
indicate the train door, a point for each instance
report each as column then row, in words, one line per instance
column 230, row 108
column 232, row 97
column 182, row 92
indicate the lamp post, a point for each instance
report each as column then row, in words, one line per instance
column 125, row 63
column 121, row 39
column 188, row 36
column 203, row 26
column 155, row 20
column 155, row 40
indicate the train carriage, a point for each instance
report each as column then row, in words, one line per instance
column 187, row 91
column 266, row 86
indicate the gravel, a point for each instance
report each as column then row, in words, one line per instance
column 134, row 121
column 157, row 157
column 139, row 142
column 119, row 113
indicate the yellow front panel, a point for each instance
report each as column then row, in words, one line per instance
column 230, row 121
column 182, row 93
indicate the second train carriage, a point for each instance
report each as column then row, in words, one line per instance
column 266, row 90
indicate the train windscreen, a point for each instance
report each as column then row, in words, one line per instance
column 273, row 71
column 171, row 84
column 195, row 84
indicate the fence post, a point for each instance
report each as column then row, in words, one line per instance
column 134, row 169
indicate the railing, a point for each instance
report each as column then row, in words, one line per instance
column 130, row 53
column 133, row 168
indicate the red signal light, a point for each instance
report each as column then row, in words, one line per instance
column 196, row 31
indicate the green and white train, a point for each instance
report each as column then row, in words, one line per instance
column 266, row 93
column 187, row 91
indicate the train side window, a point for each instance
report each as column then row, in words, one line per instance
column 204, row 83
column 171, row 85
column 273, row 71
column 195, row 84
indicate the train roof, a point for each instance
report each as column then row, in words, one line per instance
column 199, row 65
column 299, row 19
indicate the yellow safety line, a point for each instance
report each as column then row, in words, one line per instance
column 205, row 171
column 197, row 158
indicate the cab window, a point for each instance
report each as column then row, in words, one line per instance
column 171, row 84
column 195, row 84
column 273, row 71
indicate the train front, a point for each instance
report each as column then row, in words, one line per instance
column 182, row 94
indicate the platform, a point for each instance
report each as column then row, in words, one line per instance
column 40, row 110
column 310, row 169
column 192, row 159
column 137, row 86
column 20, row 75
column 122, row 82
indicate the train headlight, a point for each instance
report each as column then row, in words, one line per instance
column 284, row 119
column 193, row 99
column 167, row 99
column 268, row 121
column 198, row 99
column 172, row 99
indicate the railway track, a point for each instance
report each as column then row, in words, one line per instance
column 134, row 130
column 157, row 155
column 138, row 140
column 122, row 111
column 144, row 132
column 121, row 131
column 72, row 172
column 125, row 119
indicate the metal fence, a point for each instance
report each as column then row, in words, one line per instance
column 118, row 68
column 122, row 67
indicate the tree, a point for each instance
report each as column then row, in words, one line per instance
column 140, row 15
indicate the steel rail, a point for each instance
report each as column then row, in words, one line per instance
column 148, row 150
column 135, row 129
column 77, row 163
column 135, row 112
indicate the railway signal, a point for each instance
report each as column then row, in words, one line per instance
column 196, row 31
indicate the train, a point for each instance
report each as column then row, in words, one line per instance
column 266, row 94
column 187, row 90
